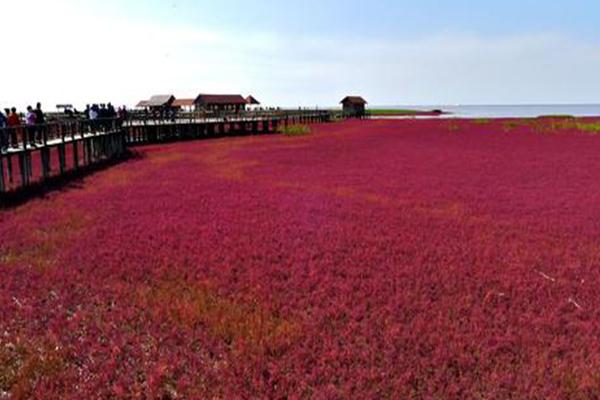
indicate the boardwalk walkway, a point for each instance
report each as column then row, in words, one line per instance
column 37, row 154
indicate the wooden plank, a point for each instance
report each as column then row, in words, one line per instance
column 2, row 182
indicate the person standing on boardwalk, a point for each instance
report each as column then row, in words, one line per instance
column 94, row 111
column 40, row 120
column 13, row 118
column 3, row 132
column 14, row 121
column 94, row 114
column 111, row 114
column 30, row 121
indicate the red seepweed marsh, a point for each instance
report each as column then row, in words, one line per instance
column 367, row 259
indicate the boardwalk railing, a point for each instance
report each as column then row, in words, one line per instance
column 32, row 155
column 143, row 128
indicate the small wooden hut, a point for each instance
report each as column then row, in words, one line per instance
column 354, row 106
column 158, row 102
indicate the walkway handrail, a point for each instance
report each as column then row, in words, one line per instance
column 30, row 153
column 140, row 117
column 24, row 136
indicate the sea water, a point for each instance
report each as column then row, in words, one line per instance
column 508, row 111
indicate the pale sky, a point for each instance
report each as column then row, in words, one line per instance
column 301, row 53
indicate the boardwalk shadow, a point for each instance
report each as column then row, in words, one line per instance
column 71, row 180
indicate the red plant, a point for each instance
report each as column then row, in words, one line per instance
column 371, row 259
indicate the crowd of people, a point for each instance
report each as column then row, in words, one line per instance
column 34, row 122
column 103, row 111
column 30, row 126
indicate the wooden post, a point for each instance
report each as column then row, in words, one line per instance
column 23, row 168
column 62, row 156
column 45, row 159
column 2, row 183
column 9, row 168
column 75, row 154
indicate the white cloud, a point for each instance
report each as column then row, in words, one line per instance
column 67, row 54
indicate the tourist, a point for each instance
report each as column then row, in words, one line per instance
column 13, row 118
column 30, row 117
column 94, row 112
column 103, row 111
column 40, row 120
column 111, row 113
column 14, row 121
column 40, row 117
column 3, row 132
column 122, row 115
column 30, row 121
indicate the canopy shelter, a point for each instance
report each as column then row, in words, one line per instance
column 143, row 104
column 157, row 101
column 220, row 102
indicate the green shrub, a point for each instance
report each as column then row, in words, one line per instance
column 295, row 130
column 591, row 127
column 556, row 116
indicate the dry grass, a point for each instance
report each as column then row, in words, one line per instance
column 24, row 364
column 45, row 244
column 245, row 326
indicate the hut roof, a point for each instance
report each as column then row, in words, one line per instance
column 143, row 103
column 183, row 102
column 220, row 99
column 161, row 100
column 252, row 100
column 353, row 100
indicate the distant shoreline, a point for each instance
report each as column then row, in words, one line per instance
column 376, row 112
column 493, row 111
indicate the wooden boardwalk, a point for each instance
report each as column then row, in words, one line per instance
column 39, row 154
column 142, row 130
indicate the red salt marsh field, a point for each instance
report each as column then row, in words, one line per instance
column 371, row 259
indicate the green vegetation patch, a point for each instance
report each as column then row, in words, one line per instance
column 295, row 130
column 591, row 127
column 556, row 116
column 384, row 112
